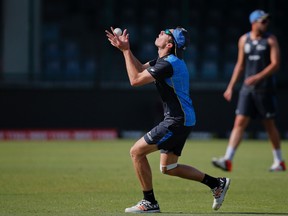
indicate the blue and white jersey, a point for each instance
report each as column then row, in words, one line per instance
column 172, row 81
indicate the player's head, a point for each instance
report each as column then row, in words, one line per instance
column 258, row 16
column 180, row 39
column 259, row 19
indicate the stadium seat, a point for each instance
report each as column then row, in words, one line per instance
column 211, row 34
column 230, row 52
column 89, row 69
column 214, row 17
column 209, row 70
column 50, row 32
column 192, row 69
column 232, row 34
column 148, row 33
column 52, row 50
column 211, row 51
column 228, row 69
column 191, row 53
column 194, row 34
column 72, row 69
column 148, row 51
column 71, row 50
column 171, row 17
column 53, row 70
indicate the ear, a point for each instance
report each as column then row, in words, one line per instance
column 169, row 45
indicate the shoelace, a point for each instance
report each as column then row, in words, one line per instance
column 147, row 204
column 144, row 202
column 218, row 190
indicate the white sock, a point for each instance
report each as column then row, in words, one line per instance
column 277, row 154
column 229, row 153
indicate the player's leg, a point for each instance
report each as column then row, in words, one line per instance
column 139, row 152
column 274, row 137
column 219, row 186
column 245, row 109
column 169, row 165
column 273, row 132
column 170, row 152
column 266, row 106
column 240, row 124
column 171, row 149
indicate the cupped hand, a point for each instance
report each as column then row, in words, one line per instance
column 121, row 42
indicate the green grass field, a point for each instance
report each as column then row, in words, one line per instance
column 97, row 178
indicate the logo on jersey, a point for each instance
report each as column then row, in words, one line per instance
column 270, row 115
column 254, row 57
column 149, row 136
column 260, row 47
column 247, row 48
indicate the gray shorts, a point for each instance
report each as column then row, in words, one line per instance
column 256, row 104
column 168, row 136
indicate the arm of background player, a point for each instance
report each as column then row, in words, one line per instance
column 136, row 77
column 238, row 69
column 272, row 67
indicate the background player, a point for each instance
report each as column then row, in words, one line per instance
column 259, row 59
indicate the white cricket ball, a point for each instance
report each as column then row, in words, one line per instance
column 118, row 31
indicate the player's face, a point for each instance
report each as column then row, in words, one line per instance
column 263, row 25
column 164, row 38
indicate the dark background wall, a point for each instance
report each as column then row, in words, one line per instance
column 123, row 110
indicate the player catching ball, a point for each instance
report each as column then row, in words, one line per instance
column 171, row 77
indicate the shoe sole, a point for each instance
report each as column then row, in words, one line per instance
column 140, row 211
column 227, row 184
column 277, row 170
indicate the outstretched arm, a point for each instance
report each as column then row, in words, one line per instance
column 137, row 73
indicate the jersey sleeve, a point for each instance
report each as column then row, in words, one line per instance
column 161, row 69
column 152, row 62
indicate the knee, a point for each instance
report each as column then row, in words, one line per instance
column 133, row 152
column 241, row 123
column 168, row 169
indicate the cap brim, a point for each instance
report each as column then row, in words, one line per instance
column 266, row 16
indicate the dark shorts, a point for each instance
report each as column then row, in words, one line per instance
column 256, row 104
column 168, row 136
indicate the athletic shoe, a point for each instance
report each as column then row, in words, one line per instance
column 278, row 167
column 220, row 192
column 143, row 206
column 223, row 164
